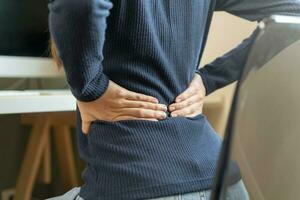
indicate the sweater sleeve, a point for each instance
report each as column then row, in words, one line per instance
column 228, row 68
column 78, row 31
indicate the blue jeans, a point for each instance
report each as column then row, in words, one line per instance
column 234, row 192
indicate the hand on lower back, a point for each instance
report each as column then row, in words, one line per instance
column 118, row 103
column 190, row 102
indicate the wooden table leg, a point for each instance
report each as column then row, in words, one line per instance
column 32, row 159
column 45, row 170
column 65, row 154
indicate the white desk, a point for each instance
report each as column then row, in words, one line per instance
column 32, row 101
column 28, row 67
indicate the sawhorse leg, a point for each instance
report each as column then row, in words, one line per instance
column 32, row 159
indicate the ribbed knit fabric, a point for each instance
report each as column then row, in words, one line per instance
column 151, row 47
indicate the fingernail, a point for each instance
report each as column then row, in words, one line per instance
column 172, row 108
column 174, row 115
column 165, row 107
column 163, row 115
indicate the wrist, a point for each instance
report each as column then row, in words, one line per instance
column 202, row 85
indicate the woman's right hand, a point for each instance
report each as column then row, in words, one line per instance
column 118, row 103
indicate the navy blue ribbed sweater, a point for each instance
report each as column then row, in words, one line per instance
column 152, row 47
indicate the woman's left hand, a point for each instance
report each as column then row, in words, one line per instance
column 190, row 102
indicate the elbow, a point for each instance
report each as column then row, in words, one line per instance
column 81, row 7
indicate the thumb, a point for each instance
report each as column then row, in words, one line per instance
column 85, row 126
column 190, row 91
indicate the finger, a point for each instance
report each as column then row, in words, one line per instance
column 189, row 110
column 85, row 126
column 134, row 118
column 193, row 114
column 190, row 91
column 189, row 101
column 139, row 97
column 146, row 105
column 144, row 113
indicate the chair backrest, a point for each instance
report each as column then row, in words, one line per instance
column 28, row 67
column 264, row 125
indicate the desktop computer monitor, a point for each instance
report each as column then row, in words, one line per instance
column 263, row 132
column 24, row 28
